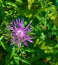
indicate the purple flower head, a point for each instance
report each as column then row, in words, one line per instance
column 20, row 33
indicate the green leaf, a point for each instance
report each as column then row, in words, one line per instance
column 12, row 52
column 5, row 47
column 29, row 50
column 16, row 59
column 7, row 59
column 23, row 60
column 1, row 38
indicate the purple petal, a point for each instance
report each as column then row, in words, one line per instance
column 25, row 44
column 20, row 25
column 29, row 30
column 29, row 39
column 18, row 21
column 27, row 27
column 17, row 40
column 13, row 22
column 22, row 21
column 11, row 28
column 19, row 44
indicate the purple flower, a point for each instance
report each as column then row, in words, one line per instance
column 20, row 33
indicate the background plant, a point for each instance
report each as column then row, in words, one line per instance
column 44, row 16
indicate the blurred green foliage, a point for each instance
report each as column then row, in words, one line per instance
column 44, row 16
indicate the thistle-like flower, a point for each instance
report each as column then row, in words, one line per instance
column 20, row 33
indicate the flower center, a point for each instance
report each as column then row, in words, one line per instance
column 20, row 33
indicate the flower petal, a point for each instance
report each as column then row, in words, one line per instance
column 18, row 21
column 11, row 28
column 25, row 44
column 19, row 44
column 29, row 39
column 27, row 27
column 13, row 22
column 29, row 30
column 22, row 21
